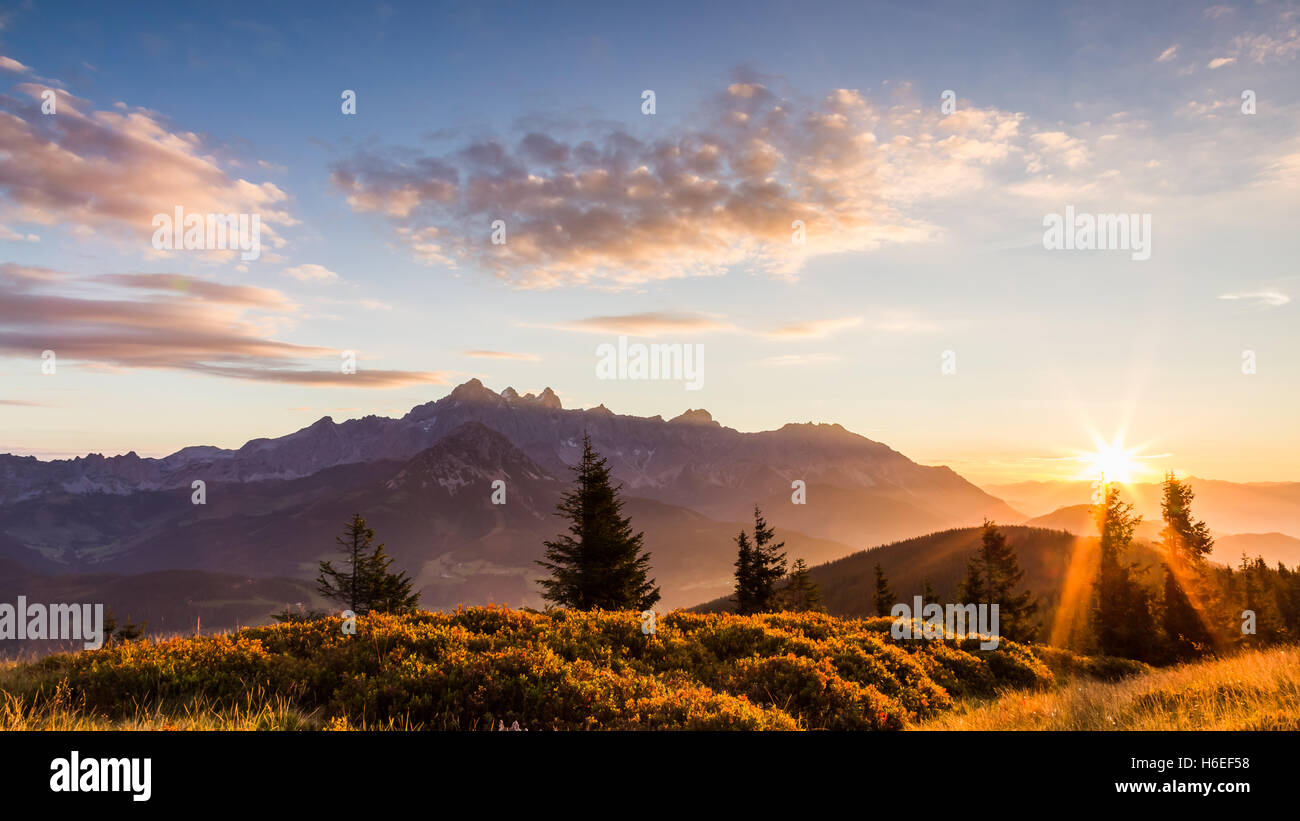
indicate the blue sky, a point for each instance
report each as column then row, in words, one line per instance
column 924, row 226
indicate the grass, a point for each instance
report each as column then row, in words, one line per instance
column 1255, row 690
column 476, row 668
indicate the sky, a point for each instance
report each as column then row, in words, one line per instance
column 844, row 206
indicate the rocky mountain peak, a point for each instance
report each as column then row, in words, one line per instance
column 473, row 391
column 548, row 399
column 694, row 417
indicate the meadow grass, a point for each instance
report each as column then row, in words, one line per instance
column 477, row 668
column 1254, row 690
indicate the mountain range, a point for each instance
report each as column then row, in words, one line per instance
column 425, row 482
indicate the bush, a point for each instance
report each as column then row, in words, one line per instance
column 475, row 667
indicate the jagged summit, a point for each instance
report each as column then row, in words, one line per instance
column 546, row 399
column 473, row 391
column 694, row 417
column 549, row 399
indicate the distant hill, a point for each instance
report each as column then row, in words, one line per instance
column 1077, row 519
column 1227, row 507
column 1273, row 547
column 847, row 585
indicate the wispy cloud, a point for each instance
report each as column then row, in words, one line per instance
column 649, row 324
column 799, row 359
column 311, row 272
column 1269, row 299
column 173, row 322
column 10, row 64
column 666, row 323
column 815, row 329
column 523, row 357
column 13, row 236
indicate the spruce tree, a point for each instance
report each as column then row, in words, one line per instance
column 972, row 589
column 769, row 564
column 599, row 563
column 928, row 596
column 1121, row 610
column 1186, row 539
column 1186, row 543
column 760, row 566
column 885, row 600
column 390, row 592
column 801, row 594
column 364, row 582
column 992, row 576
column 744, row 595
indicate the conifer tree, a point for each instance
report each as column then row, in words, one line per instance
column 599, row 563
column 760, row 566
column 801, row 594
column 884, row 597
column 1186, row 543
column 769, row 564
column 1121, row 610
column 364, row 582
column 972, row 589
column 928, row 596
column 992, row 576
column 744, row 594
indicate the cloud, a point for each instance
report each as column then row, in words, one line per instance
column 89, row 170
column 10, row 235
column 172, row 322
column 1279, row 43
column 815, row 329
column 181, row 287
column 1168, row 54
column 1220, row 62
column 613, row 209
column 649, row 324
column 311, row 273
column 1071, row 151
column 10, row 64
column 1265, row 299
column 1215, row 12
column 799, row 359
column 669, row 323
column 1267, row 48
column 524, row 357
column 22, row 403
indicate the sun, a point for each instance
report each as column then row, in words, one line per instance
column 1112, row 461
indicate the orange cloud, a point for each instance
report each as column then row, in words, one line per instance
column 171, row 322
column 90, row 171
column 763, row 180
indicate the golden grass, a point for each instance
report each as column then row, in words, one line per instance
column 64, row 713
column 1257, row 690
